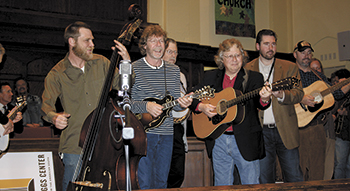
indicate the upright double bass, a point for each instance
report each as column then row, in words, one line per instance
column 102, row 163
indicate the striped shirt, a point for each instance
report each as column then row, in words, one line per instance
column 150, row 83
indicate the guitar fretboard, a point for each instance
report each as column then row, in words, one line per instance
column 175, row 102
column 247, row 96
column 335, row 87
column 243, row 98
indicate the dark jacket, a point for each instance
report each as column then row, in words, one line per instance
column 3, row 119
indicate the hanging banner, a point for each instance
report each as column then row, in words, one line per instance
column 235, row 17
column 32, row 171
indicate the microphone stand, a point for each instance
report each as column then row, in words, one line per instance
column 127, row 131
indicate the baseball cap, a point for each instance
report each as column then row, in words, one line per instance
column 302, row 45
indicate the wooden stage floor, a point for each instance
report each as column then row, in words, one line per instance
column 336, row 185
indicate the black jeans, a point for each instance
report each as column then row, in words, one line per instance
column 177, row 166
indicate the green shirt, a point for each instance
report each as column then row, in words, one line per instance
column 79, row 93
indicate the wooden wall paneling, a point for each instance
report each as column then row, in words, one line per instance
column 102, row 9
column 192, row 58
column 198, row 169
column 32, row 33
column 57, row 6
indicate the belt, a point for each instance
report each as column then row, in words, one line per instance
column 270, row 126
column 228, row 133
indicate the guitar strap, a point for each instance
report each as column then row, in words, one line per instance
column 166, row 89
column 273, row 64
column 319, row 76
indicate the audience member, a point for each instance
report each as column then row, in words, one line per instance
column 155, row 78
column 241, row 144
column 31, row 114
column 77, row 80
column 5, row 108
column 316, row 65
column 342, row 129
column 313, row 141
column 177, row 166
column 279, row 121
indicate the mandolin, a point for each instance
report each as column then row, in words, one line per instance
column 168, row 103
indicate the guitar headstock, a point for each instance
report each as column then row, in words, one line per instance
column 286, row 83
column 21, row 102
column 21, row 99
column 205, row 93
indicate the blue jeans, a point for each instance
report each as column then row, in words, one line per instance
column 288, row 158
column 70, row 162
column 342, row 159
column 154, row 168
column 225, row 156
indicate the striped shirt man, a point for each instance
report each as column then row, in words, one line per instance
column 150, row 82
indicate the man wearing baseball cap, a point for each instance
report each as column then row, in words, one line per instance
column 312, row 136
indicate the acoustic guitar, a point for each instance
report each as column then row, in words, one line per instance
column 323, row 98
column 230, row 111
column 4, row 139
column 168, row 103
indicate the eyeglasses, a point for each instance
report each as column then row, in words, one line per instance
column 154, row 41
column 172, row 52
column 230, row 57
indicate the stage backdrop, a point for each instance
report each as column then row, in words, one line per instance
column 235, row 17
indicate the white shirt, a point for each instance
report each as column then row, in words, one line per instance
column 269, row 118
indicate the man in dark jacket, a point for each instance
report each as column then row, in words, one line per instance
column 240, row 144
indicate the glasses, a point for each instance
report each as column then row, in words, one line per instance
column 154, row 41
column 230, row 57
column 172, row 52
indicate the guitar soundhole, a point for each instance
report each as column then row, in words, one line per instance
column 317, row 107
column 217, row 118
column 221, row 107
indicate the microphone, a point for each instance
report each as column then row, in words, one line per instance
column 125, row 70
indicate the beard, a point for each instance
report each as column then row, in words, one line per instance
column 22, row 91
column 305, row 62
column 172, row 60
column 268, row 56
column 81, row 53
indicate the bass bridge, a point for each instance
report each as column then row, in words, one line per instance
column 89, row 184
